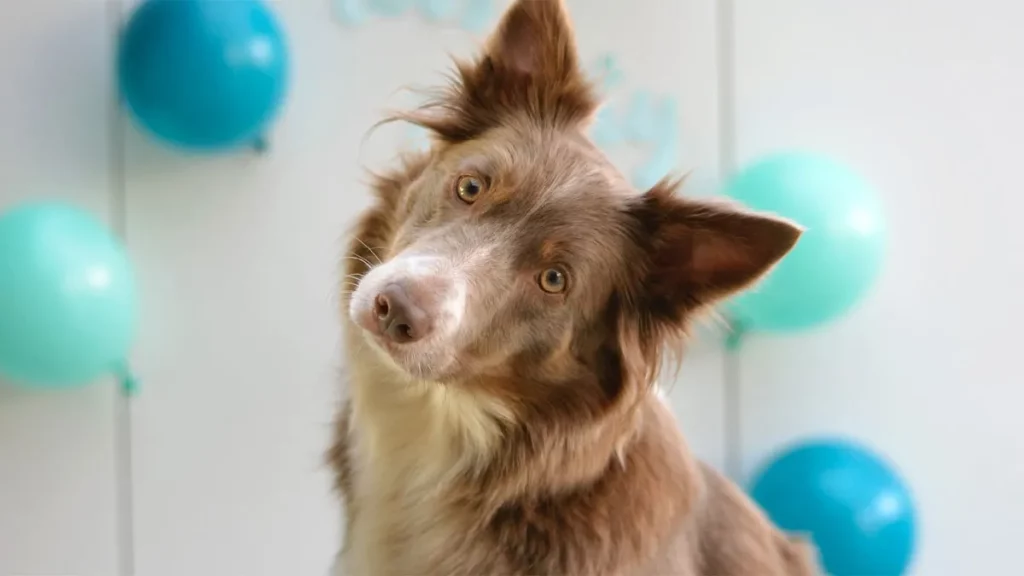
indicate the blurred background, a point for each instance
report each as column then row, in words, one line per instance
column 215, row 466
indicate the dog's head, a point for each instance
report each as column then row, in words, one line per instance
column 516, row 257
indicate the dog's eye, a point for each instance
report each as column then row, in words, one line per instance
column 468, row 188
column 552, row 281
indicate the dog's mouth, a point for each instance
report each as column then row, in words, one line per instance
column 406, row 359
column 423, row 362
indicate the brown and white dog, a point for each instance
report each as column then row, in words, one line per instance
column 513, row 295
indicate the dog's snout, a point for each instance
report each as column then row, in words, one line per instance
column 401, row 316
column 411, row 305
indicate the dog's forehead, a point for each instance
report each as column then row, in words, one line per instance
column 562, row 162
column 551, row 169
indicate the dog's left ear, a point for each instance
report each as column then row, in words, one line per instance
column 534, row 40
column 698, row 252
column 529, row 68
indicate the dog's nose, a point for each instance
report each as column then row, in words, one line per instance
column 398, row 317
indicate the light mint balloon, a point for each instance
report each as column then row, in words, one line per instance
column 67, row 297
column 837, row 259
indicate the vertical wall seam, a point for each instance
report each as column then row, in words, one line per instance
column 125, row 512
column 732, row 422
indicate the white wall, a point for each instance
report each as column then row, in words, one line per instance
column 237, row 256
column 58, row 465
column 925, row 98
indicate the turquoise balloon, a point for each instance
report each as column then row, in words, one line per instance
column 67, row 297
column 854, row 505
column 839, row 255
column 204, row 75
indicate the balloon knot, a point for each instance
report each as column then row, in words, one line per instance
column 129, row 383
column 734, row 338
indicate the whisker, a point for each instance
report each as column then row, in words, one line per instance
column 364, row 261
column 358, row 258
column 379, row 261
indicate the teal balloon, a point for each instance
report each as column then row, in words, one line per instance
column 67, row 297
column 204, row 75
column 852, row 502
column 838, row 257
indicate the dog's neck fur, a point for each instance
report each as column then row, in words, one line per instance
column 446, row 432
column 436, row 461
column 458, row 430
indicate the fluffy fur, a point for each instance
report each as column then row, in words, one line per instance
column 519, row 433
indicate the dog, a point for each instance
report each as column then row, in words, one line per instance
column 512, row 299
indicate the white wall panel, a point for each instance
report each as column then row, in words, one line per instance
column 58, row 466
column 924, row 98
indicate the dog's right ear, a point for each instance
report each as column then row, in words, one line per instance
column 698, row 252
column 530, row 67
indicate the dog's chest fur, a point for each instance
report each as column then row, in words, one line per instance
column 400, row 518
column 407, row 445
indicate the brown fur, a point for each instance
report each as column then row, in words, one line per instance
column 537, row 445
